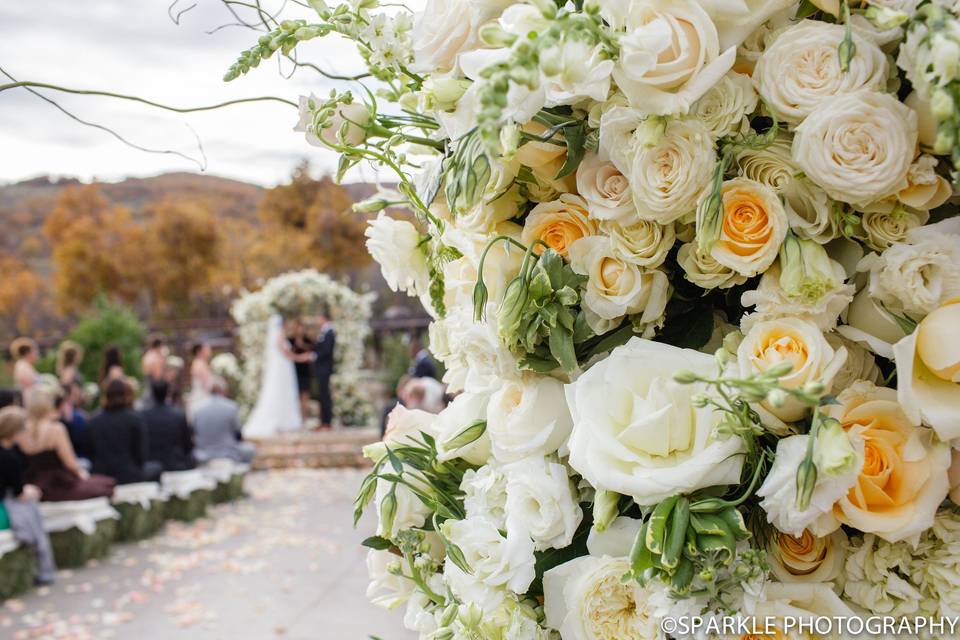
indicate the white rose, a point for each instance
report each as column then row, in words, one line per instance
column 858, row 146
column 642, row 242
column 587, row 599
column 447, row 28
column 883, row 227
column 738, row 20
column 473, row 354
column 605, row 189
column 463, row 413
column 615, row 287
column 801, row 69
column 395, row 245
column 928, row 371
column 669, row 53
column 667, row 177
column 798, row 342
column 575, row 70
column 723, row 108
column 869, row 324
column 704, row 271
column 542, row 500
column 807, row 558
column 526, row 417
column 485, row 216
column 485, row 494
column 388, row 588
column 497, row 562
column 636, row 430
column 859, row 365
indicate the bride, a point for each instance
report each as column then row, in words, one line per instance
column 278, row 407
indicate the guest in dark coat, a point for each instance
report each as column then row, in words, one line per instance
column 169, row 437
column 119, row 438
column 325, row 348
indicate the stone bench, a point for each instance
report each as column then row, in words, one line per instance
column 229, row 476
column 188, row 494
column 79, row 530
column 17, row 566
column 141, row 507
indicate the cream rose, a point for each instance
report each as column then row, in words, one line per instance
column 798, row 342
column 801, row 69
column 753, row 225
column 636, row 430
column 559, row 223
column 807, row 558
column 587, row 599
column 669, row 53
column 704, row 271
column 928, row 371
column 858, row 146
column 542, row 501
column 668, row 176
column 926, row 189
column 641, row 242
column 527, row 417
column 615, row 287
column 904, row 475
column 723, row 108
column 447, row 28
column 605, row 189
column 883, row 228
column 859, row 365
column 395, row 245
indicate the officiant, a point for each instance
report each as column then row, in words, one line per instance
column 324, row 347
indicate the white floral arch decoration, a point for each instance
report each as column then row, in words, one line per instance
column 305, row 293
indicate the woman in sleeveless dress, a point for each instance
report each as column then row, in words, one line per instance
column 26, row 353
column 201, row 377
column 51, row 462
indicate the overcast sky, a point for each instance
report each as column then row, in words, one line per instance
column 134, row 48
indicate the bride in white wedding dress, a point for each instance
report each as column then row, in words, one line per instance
column 278, row 406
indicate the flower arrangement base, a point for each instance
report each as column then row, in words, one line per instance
column 230, row 490
column 17, row 566
column 189, row 508
column 81, row 530
column 141, row 510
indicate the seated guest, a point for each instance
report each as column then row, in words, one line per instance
column 112, row 368
column 169, row 438
column 20, row 499
column 216, row 427
column 51, row 461
column 69, row 357
column 118, row 438
column 10, row 397
column 26, row 353
column 75, row 419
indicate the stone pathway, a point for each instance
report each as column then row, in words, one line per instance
column 284, row 563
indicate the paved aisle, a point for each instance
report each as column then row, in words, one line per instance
column 285, row 563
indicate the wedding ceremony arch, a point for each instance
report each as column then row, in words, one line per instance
column 303, row 294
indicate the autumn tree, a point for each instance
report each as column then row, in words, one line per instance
column 21, row 296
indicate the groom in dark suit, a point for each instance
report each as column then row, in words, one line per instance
column 323, row 368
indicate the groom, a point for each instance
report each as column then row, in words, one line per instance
column 323, row 368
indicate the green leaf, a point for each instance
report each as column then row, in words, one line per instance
column 576, row 137
column 552, row 264
column 581, row 330
column 394, row 461
column 640, row 557
column 376, row 542
column 676, row 535
column 608, row 341
column 537, row 364
column 539, row 287
column 806, row 9
column 561, row 347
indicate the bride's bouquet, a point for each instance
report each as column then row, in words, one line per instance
column 694, row 273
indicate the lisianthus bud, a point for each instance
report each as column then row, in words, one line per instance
column 806, row 481
column 388, row 511
column 471, row 615
column 467, row 436
column 806, row 271
column 885, row 18
column 604, row 509
column 449, row 615
column 371, row 205
column 833, row 453
column 650, row 132
column 492, row 34
column 444, row 93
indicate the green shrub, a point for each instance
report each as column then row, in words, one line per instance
column 74, row 548
column 189, row 509
column 109, row 324
column 17, row 569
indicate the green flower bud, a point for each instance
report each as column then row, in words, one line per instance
column 941, row 104
column 833, row 452
column 388, row 512
column 493, row 35
column 605, row 509
column 467, row 436
column 806, row 271
column 371, row 205
column 471, row 615
column 885, row 18
column 449, row 615
column 806, row 481
column 685, row 377
column 777, row 397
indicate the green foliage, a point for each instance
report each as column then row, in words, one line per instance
column 109, row 324
column 396, row 359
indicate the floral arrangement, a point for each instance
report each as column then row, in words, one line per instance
column 302, row 294
column 694, row 271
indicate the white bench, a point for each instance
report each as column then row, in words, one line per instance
column 80, row 530
column 188, row 494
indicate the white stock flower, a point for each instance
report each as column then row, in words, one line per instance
column 485, row 494
column 667, row 177
column 669, row 53
column 587, row 599
column 636, row 430
column 857, row 146
column 542, row 500
column 704, row 271
column 605, row 189
column 388, row 588
column 615, row 287
column 723, row 108
column 395, row 245
column 801, row 69
column 447, row 28
column 575, row 70
column 527, row 416
column 874, row 580
column 473, row 354
column 642, row 242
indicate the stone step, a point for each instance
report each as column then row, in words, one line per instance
column 315, row 449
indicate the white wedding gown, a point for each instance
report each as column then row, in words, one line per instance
column 278, row 407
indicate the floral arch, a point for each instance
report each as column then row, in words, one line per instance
column 305, row 293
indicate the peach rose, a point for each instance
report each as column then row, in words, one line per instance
column 904, row 476
column 559, row 223
column 754, row 224
column 807, row 558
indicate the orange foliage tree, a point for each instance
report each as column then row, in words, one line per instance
column 20, row 296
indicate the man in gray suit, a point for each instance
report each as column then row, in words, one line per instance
column 216, row 426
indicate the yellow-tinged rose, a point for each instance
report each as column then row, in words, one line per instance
column 928, row 371
column 545, row 159
column 807, row 558
column 753, row 225
column 904, row 475
column 926, row 190
column 954, row 476
column 559, row 223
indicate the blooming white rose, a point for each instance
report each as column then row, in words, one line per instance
column 704, row 271
column 587, row 599
column 474, row 356
column 668, row 176
column 801, row 69
column 636, row 430
column 928, row 371
column 485, row 494
column 641, row 242
column 542, row 500
column 723, row 108
column 388, row 588
column 857, row 146
column 605, row 189
column 497, row 562
column 456, row 427
column 527, row 416
column 798, row 342
column 395, row 245
column 738, row 20
column 447, row 28
column 807, row 558
column 669, row 53
column 616, row 287
column 404, row 427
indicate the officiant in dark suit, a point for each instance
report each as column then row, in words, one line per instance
column 324, row 346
